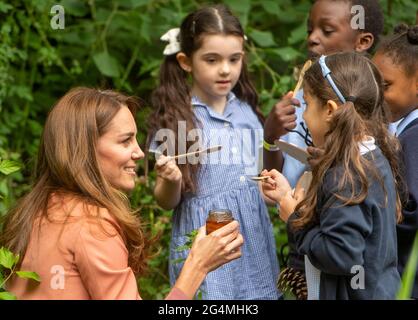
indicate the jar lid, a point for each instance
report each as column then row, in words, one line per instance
column 220, row 215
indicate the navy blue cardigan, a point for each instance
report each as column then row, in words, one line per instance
column 356, row 235
column 408, row 228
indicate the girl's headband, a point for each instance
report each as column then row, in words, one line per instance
column 326, row 72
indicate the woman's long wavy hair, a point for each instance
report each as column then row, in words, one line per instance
column 67, row 165
column 172, row 98
column 355, row 76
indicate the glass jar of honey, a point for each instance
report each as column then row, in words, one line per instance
column 217, row 218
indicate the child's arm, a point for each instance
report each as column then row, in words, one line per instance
column 281, row 118
column 338, row 242
column 167, row 189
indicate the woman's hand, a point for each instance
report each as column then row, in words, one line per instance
column 167, row 169
column 219, row 247
column 276, row 186
column 288, row 203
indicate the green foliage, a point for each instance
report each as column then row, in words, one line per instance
column 115, row 44
column 408, row 277
column 190, row 238
column 8, row 263
column 8, row 166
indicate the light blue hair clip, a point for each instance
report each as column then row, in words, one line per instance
column 326, row 72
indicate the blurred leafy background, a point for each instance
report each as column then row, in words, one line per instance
column 115, row 44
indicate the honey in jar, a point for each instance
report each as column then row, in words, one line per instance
column 217, row 219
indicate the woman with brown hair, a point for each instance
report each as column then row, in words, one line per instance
column 75, row 227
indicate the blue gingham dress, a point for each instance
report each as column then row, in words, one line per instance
column 223, row 183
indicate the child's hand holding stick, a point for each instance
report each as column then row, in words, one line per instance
column 276, row 186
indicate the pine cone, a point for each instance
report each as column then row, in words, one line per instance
column 294, row 281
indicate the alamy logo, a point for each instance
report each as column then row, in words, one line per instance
column 357, row 21
column 58, row 20
column 58, row 278
column 357, row 281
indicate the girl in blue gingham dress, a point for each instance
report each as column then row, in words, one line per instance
column 218, row 109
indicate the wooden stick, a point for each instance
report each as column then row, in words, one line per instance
column 208, row 150
column 179, row 156
column 260, row 178
column 305, row 67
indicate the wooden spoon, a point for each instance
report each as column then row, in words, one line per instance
column 305, row 67
column 184, row 155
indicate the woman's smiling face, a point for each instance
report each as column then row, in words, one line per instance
column 118, row 151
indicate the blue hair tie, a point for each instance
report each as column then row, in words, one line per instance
column 326, row 72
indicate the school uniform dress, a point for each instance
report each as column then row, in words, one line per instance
column 353, row 247
column 223, row 183
column 406, row 130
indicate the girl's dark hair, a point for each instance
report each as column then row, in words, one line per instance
column 172, row 98
column 355, row 76
column 373, row 18
column 402, row 48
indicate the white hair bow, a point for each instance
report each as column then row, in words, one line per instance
column 173, row 46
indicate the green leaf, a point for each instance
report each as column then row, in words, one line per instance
column 241, row 8
column 132, row 4
column 298, row 35
column 182, row 248
column 408, row 277
column 106, row 64
column 9, row 166
column 287, row 53
column 7, row 296
column 176, row 261
column 20, row 91
column 28, row 275
column 4, row 189
column 7, row 258
column 263, row 38
column 75, row 7
column 4, row 7
column 147, row 199
column 1, row 279
column 271, row 7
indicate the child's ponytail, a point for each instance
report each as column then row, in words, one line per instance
column 411, row 32
column 172, row 103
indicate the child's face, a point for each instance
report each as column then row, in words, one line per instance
column 329, row 29
column 400, row 91
column 316, row 117
column 216, row 66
